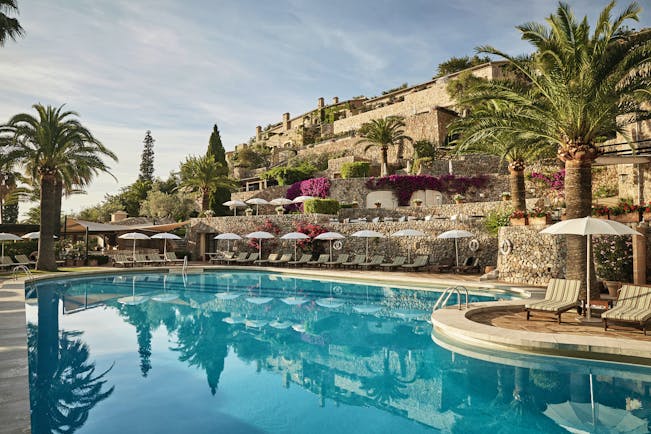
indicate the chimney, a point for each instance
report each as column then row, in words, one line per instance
column 335, row 100
column 258, row 133
column 320, row 104
column 118, row 216
column 286, row 124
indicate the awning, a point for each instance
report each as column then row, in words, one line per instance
column 610, row 160
column 75, row 226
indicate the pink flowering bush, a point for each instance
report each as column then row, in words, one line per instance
column 613, row 257
column 555, row 182
column 405, row 185
column 316, row 187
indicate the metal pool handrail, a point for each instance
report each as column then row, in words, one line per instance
column 447, row 293
column 22, row 268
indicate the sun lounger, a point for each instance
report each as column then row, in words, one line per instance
column 358, row 259
column 397, row 262
column 375, row 261
column 302, row 260
column 419, row 262
column 24, row 260
column 241, row 256
column 156, row 259
column 252, row 258
column 633, row 306
column 7, row 262
column 284, row 259
column 220, row 257
column 321, row 260
column 122, row 261
column 441, row 268
column 561, row 296
column 271, row 257
column 171, row 257
column 341, row 258
column 470, row 265
column 141, row 260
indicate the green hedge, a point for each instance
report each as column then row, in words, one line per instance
column 285, row 175
column 358, row 169
column 321, row 206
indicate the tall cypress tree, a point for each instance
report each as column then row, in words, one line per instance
column 216, row 149
column 147, row 159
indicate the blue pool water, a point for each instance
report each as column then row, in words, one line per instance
column 245, row 352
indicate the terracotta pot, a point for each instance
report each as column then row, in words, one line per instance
column 519, row 222
column 612, row 287
column 540, row 220
column 646, row 216
column 631, row 217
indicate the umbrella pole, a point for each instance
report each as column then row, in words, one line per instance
column 134, row 249
column 366, row 260
column 164, row 247
column 260, row 248
column 587, row 276
column 234, row 211
column 3, row 249
column 456, row 250
column 409, row 254
column 295, row 248
column 330, row 250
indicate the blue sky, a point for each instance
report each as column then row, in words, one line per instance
column 176, row 68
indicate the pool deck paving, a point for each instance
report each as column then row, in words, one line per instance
column 480, row 325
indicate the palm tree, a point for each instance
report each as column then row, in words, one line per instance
column 58, row 152
column 205, row 176
column 9, row 27
column 581, row 88
column 10, row 192
column 383, row 133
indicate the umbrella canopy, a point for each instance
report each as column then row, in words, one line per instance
column 228, row 236
column 330, row 236
column 34, row 236
column 582, row 417
column 5, row 236
column 260, row 235
column 234, row 205
column 367, row 234
column 588, row 226
column 294, row 236
column 455, row 234
column 301, row 199
column 257, row 201
column 409, row 233
column 165, row 236
column 134, row 236
column 280, row 201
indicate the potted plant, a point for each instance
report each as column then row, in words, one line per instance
column 417, row 202
column 248, row 211
column 539, row 216
column 646, row 212
column 378, row 204
column 613, row 260
column 458, row 198
column 518, row 218
column 625, row 212
column 506, row 196
column 280, row 210
column 601, row 212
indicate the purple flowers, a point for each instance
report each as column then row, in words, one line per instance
column 316, row 187
column 405, row 185
column 554, row 181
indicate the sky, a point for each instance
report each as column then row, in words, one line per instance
column 176, row 68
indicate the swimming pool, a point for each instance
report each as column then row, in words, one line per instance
column 248, row 352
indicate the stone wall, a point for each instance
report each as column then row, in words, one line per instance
column 268, row 194
column 440, row 251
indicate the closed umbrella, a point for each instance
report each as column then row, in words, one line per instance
column 294, row 236
column 234, row 205
column 228, row 236
column 259, row 235
column 588, row 226
column 367, row 234
column 330, row 236
column 281, row 201
column 4, row 236
column 134, row 236
column 165, row 236
column 257, row 201
column 455, row 234
column 409, row 233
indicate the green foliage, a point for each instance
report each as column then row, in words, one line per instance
column 321, row 206
column 252, row 156
column 147, row 159
column 221, row 194
column 395, row 89
column 495, row 219
column 424, row 149
column 286, row 175
column 10, row 213
column 456, row 64
column 132, row 195
column 357, row 169
column 9, row 27
column 204, row 176
column 176, row 206
column 32, row 216
column 215, row 146
column 333, row 113
column 420, row 162
column 613, row 257
column 605, row 191
column 462, row 85
column 21, row 247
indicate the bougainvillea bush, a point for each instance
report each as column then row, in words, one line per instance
column 311, row 230
column 270, row 244
column 405, row 185
column 315, row 187
column 554, row 182
column 613, row 257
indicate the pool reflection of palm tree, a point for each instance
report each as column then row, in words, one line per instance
column 385, row 386
column 63, row 384
column 202, row 343
column 137, row 316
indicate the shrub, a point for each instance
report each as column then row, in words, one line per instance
column 613, row 257
column 315, row 187
column 286, row 175
column 321, row 206
column 494, row 220
column 357, row 169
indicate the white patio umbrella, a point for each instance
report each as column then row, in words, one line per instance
column 228, row 236
column 34, row 236
column 367, row 234
column 165, row 236
column 281, row 201
column 330, row 236
column 368, row 308
column 234, row 205
column 134, row 236
column 132, row 299
column 588, row 226
column 301, row 199
column 260, row 235
column 257, row 201
column 455, row 234
column 4, row 236
column 409, row 233
column 294, row 236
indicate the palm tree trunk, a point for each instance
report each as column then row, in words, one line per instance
column 384, row 170
column 46, row 260
column 205, row 199
column 516, row 185
column 578, row 199
column 56, row 222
